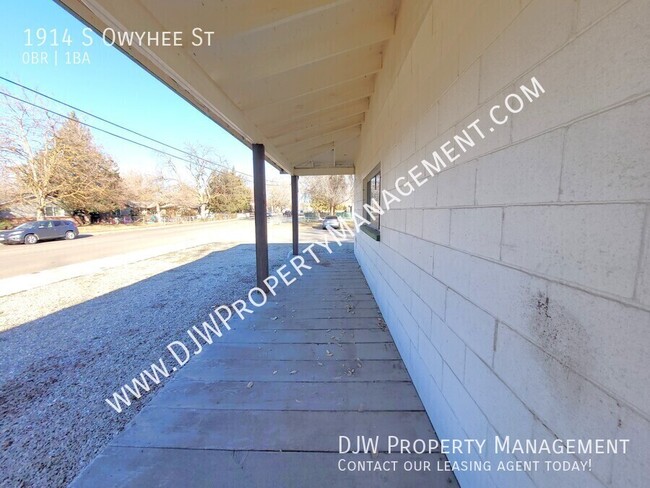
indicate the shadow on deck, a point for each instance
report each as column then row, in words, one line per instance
column 322, row 365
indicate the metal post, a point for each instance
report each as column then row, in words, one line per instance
column 294, row 212
column 261, row 239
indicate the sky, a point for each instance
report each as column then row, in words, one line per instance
column 107, row 84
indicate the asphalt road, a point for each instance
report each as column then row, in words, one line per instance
column 18, row 260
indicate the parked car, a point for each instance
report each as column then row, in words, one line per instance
column 332, row 221
column 40, row 230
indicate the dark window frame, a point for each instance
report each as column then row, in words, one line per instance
column 372, row 189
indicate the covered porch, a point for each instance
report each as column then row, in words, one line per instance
column 265, row 404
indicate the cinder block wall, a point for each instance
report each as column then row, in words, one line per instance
column 517, row 282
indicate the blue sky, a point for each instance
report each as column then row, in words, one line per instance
column 111, row 86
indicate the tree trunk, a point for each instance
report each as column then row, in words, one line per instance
column 40, row 208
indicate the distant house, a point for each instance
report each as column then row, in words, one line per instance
column 25, row 209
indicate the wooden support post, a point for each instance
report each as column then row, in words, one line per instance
column 294, row 212
column 261, row 238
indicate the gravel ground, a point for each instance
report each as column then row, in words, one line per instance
column 65, row 347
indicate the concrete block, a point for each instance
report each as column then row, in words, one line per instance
column 505, row 412
column 401, row 289
column 407, row 143
column 477, row 231
column 474, row 326
column 603, row 66
column 481, row 26
column 432, row 291
column 492, row 140
column 400, row 220
column 460, row 99
column 467, row 412
column 613, row 166
column 426, row 195
column 419, row 252
column 643, row 280
column 566, row 402
column 453, row 268
column 600, row 339
column 570, row 242
column 506, row 293
column 632, row 469
column 409, row 324
column 524, row 173
column 502, row 478
column 421, row 313
column 431, row 358
column 593, row 10
column 388, row 220
column 538, row 30
column 414, row 222
column 449, row 345
column 456, row 185
column 569, row 479
column 427, row 126
column 435, row 225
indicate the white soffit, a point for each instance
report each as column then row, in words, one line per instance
column 294, row 75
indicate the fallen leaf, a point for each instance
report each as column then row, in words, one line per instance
column 249, row 385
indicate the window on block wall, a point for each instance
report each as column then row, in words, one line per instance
column 372, row 192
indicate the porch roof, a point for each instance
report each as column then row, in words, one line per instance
column 296, row 76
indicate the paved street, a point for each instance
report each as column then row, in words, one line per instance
column 21, row 259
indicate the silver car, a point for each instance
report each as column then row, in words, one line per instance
column 331, row 221
column 40, row 230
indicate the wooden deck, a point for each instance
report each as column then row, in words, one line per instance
column 322, row 364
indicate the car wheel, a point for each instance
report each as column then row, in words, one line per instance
column 31, row 239
column 69, row 235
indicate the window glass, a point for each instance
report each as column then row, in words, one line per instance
column 373, row 192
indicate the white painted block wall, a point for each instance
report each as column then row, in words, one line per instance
column 517, row 282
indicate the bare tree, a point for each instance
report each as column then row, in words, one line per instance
column 199, row 168
column 327, row 192
column 27, row 151
column 182, row 196
column 278, row 197
column 49, row 160
column 146, row 190
column 8, row 185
